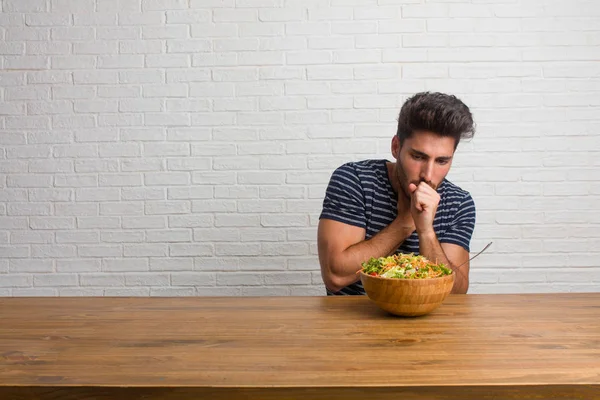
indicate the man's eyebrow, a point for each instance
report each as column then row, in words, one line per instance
column 419, row 153
column 425, row 155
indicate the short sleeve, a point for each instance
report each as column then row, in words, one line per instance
column 344, row 199
column 461, row 229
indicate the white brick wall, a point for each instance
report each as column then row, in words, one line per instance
column 159, row 148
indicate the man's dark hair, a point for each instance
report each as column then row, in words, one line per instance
column 440, row 113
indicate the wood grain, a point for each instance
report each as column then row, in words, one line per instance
column 513, row 346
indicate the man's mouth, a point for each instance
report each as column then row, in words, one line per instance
column 430, row 183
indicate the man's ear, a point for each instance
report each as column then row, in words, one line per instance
column 396, row 146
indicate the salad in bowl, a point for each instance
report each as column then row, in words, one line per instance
column 404, row 266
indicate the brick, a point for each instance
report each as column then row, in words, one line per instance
column 145, row 222
column 10, row 251
column 307, row 88
column 283, row 192
column 100, row 194
column 30, row 266
column 143, row 193
column 238, row 163
column 262, row 235
column 96, row 165
column 125, row 265
column 143, row 134
column 51, row 223
column 171, row 264
column 168, row 236
column 55, row 280
column 78, row 180
column 235, row 15
column 25, row 6
column 216, row 234
column 163, row 91
column 50, row 195
column 28, row 33
column 122, row 208
column 171, row 119
column 191, row 221
column 147, row 279
column 77, row 237
column 261, row 178
column 279, row 73
column 102, row 279
column 287, row 220
column 195, row 249
column 31, row 237
column 265, row 291
column 78, row 292
column 29, row 181
column 188, row 164
column 121, row 61
column 27, row 123
column 16, row 280
column 225, row 220
column 164, row 32
column 211, row 90
column 193, row 279
column 213, row 178
column 217, row 263
column 172, row 292
column 143, row 18
column 95, row 19
column 53, row 251
column 235, row 192
column 288, row 278
column 239, row 278
column 141, row 165
column 146, row 76
column 167, row 207
column 166, row 149
column 122, row 237
column 131, row 179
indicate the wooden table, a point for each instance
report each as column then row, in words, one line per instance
column 473, row 346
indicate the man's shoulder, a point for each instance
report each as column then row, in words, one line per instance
column 362, row 168
column 453, row 192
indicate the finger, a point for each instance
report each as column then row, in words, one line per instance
column 424, row 200
column 427, row 195
column 417, row 201
column 426, row 187
column 412, row 187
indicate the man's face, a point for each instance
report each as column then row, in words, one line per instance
column 425, row 156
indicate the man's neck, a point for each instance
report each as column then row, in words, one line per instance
column 393, row 176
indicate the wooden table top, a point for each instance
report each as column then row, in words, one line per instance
column 211, row 343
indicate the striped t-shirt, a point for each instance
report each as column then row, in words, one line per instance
column 360, row 194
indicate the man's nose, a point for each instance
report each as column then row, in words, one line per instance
column 427, row 172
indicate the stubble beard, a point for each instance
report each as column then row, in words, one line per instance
column 402, row 180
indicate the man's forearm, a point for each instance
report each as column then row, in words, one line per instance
column 383, row 244
column 430, row 247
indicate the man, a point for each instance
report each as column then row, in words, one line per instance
column 375, row 208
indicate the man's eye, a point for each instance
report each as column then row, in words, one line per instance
column 443, row 162
column 418, row 157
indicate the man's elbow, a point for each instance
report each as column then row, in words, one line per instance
column 332, row 281
column 460, row 289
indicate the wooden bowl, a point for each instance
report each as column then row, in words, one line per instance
column 407, row 297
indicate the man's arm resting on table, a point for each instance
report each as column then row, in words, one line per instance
column 342, row 249
column 450, row 254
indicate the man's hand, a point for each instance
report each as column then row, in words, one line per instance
column 424, row 203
